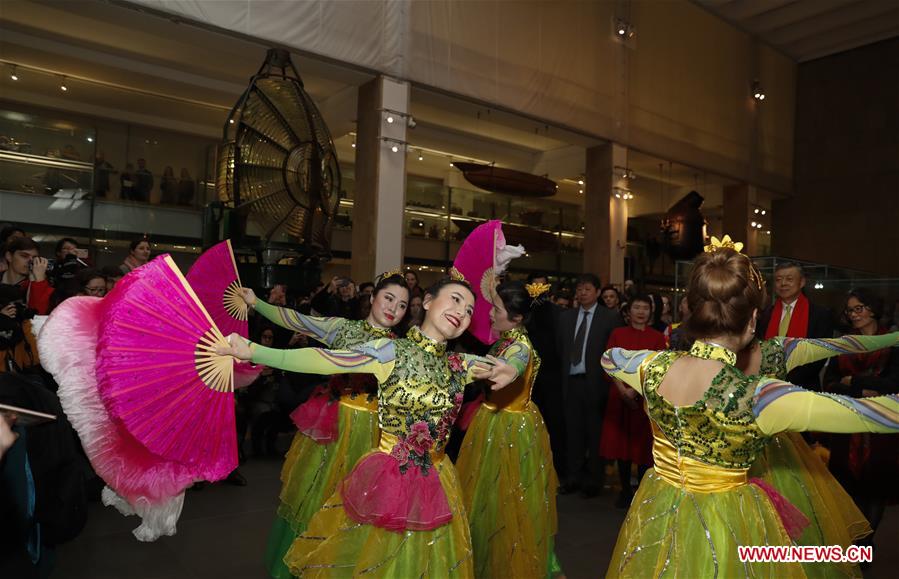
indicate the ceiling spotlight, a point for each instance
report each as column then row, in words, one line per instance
column 757, row 92
column 580, row 181
column 763, row 211
column 62, row 85
column 623, row 29
column 756, row 210
column 90, row 139
column 13, row 75
column 617, row 195
column 354, row 144
column 389, row 118
column 768, row 232
column 395, row 149
column 420, row 156
column 581, row 191
column 230, row 121
column 752, row 224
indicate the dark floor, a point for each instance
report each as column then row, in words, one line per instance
column 223, row 530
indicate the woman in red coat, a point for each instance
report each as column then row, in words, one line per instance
column 626, row 435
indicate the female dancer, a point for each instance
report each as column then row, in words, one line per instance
column 710, row 421
column 399, row 512
column 792, row 467
column 339, row 423
column 505, row 465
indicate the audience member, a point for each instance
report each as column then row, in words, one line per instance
column 27, row 271
column 626, row 435
column 168, row 187
column 675, row 334
column 138, row 255
column 112, row 275
column 542, row 329
column 143, row 182
column 18, row 350
column 416, row 312
column 561, row 298
column 337, row 299
column 610, row 297
column 67, row 264
column 581, row 337
column 128, row 192
column 867, row 465
column 667, row 316
column 102, row 170
column 412, row 281
column 795, row 316
column 186, row 188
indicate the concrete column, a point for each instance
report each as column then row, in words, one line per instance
column 378, row 210
column 605, row 228
column 739, row 202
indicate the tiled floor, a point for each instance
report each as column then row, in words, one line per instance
column 223, row 530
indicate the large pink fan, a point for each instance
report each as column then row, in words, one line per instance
column 482, row 257
column 215, row 280
column 158, row 373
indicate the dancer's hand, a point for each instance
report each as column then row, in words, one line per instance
column 248, row 295
column 499, row 373
column 238, row 347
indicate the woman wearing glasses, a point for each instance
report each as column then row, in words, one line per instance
column 866, row 465
column 91, row 283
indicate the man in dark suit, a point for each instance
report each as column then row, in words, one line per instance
column 581, row 336
column 793, row 315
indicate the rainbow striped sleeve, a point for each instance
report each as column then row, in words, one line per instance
column 780, row 406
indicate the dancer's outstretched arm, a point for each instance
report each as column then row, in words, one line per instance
column 377, row 357
column 322, row 329
column 801, row 351
column 780, row 406
column 626, row 365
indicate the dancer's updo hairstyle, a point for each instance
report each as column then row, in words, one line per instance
column 438, row 286
column 722, row 293
column 389, row 278
column 517, row 299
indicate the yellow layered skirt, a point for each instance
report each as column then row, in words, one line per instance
column 509, row 486
column 334, row 545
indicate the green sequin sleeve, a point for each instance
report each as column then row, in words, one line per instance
column 780, row 406
column 322, row 329
column 626, row 365
column 377, row 357
column 801, row 351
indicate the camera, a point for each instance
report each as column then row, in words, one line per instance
column 23, row 312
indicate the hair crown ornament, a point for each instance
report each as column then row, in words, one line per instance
column 535, row 290
column 727, row 243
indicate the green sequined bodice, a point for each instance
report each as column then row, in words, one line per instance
column 421, row 388
column 718, row 429
column 355, row 332
column 774, row 361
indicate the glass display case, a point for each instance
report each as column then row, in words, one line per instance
column 45, row 156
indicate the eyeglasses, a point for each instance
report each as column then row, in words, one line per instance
column 95, row 291
column 856, row 310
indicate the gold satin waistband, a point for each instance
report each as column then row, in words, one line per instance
column 388, row 441
column 691, row 474
column 494, row 408
column 360, row 402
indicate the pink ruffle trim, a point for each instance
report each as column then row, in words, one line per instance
column 469, row 409
column 377, row 493
column 317, row 417
column 794, row 521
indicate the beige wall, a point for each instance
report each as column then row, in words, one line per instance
column 679, row 89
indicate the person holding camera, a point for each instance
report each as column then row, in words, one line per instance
column 26, row 270
column 337, row 299
column 18, row 350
